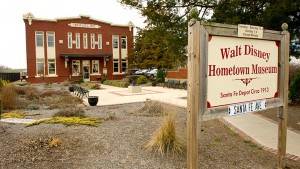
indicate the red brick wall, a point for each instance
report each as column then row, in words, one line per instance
column 180, row 74
column 61, row 30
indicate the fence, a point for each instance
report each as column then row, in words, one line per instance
column 10, row 76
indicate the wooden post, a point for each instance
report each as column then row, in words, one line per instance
column 283, row 94
column 193, row 99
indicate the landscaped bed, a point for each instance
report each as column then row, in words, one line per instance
column 120, row 140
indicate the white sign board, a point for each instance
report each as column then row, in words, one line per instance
column 246, row 107
column 83, row 25
column 249, row 31
column 241, row 70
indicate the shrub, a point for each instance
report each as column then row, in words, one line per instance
column 293, row 69
column 90, row 121
column 20, row 90
column 66, row 83
column 32, row 93
column 80, row 80
column 116, row 83
column 9, row 97
column 151, row 108
column 294, row 89
column 161, row 74
column 13, row 114
column 165, row 140
column 93, row 85
column 103, row 79
column 159, row 80
column 33, row 106
column 142, row 80
column 73, row 112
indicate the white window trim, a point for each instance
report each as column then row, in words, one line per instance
column 70, row 41
column 77, row 39
column 85, row 41
column 114, row 61
column 55, row 74
column 118, row 43
column 98, row 67
column 99, row 41
column 37, row 70
column 123, row 37
column 36, row 39
column 48, row 39
column 78, row 68
column 92, row 41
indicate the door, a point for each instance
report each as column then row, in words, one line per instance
column 86, row 70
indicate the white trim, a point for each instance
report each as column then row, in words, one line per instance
column 70, row 41
column 100, row 41
column 77, row 39
column 92, row 41
column 85, row 41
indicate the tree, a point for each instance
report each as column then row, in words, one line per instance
column 163, row 43
column 2, row 67
column 269, row 14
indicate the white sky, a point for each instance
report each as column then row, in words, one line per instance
column 12, row 27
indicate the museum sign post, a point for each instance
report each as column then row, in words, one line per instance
column 233, row 70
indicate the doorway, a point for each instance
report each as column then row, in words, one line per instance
column 86, row 70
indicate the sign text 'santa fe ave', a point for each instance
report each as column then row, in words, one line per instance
column 241, row 70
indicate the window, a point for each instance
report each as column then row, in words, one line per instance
column 40, row 67
column 75, row 67
column 124, row 65
column 115, row 39
column 116, row 65
column 92, row 41
column 77, row 40
column 85, row 41
column 95, row 66
column 124, row 42
column 69, row 40
column 39, row 38
column 51, row 39
column 51, row 67
column 99, row 41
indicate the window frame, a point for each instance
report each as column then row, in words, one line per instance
column 39, row 34
column 75, row 73
column 70, row 41
column 115, row 41
column 77, row 39
column 99, row 41
column 116, row 61
column 85, row 41
column 92, row 41
column 95, row 62
column 49, row 34
column 38, row 62
column 123, row 38
column 52, row 62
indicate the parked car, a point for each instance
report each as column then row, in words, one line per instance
column 142, row 72
column 152, row 73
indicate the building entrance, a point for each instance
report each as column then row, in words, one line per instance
column 86, row 70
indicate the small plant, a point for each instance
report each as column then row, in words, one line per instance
column 13, row 114
column 103, row 79
column 33, row 106
column 218, row 139
column 159, row 80
column 66, row 83
column 72, row 112
column 9, row 97
column 54, row 142
column 142, row 80
column 80, row 80
column 165, row 140
column 32, row 93
column 68, row 121
column 161, row 75
column 151, row 108
column 294, row 89
column 251, row 144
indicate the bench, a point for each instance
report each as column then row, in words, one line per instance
column 80, row 91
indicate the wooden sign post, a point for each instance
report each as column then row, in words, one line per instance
column 234, row 70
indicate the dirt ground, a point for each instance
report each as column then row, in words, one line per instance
column 120, row 143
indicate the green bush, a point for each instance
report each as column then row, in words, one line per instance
column 159, row 80
column 294, row 89
column 103, row 79
column 160, row 74
column 142, row 80
column 117, row 83
column 80, row 80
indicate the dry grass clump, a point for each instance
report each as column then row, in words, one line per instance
column 166, row 140
column 72, row 112
column 9, row 97
column 66, row 83
column 32, row 93
column 54, row 142
column 60, row 102
column 40, row 143
column 68, row 121
column 151, row 108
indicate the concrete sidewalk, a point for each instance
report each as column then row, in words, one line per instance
column 262, row 131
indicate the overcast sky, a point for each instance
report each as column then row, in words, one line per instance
column 12, row 39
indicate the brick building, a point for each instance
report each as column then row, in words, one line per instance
column 69, row 48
